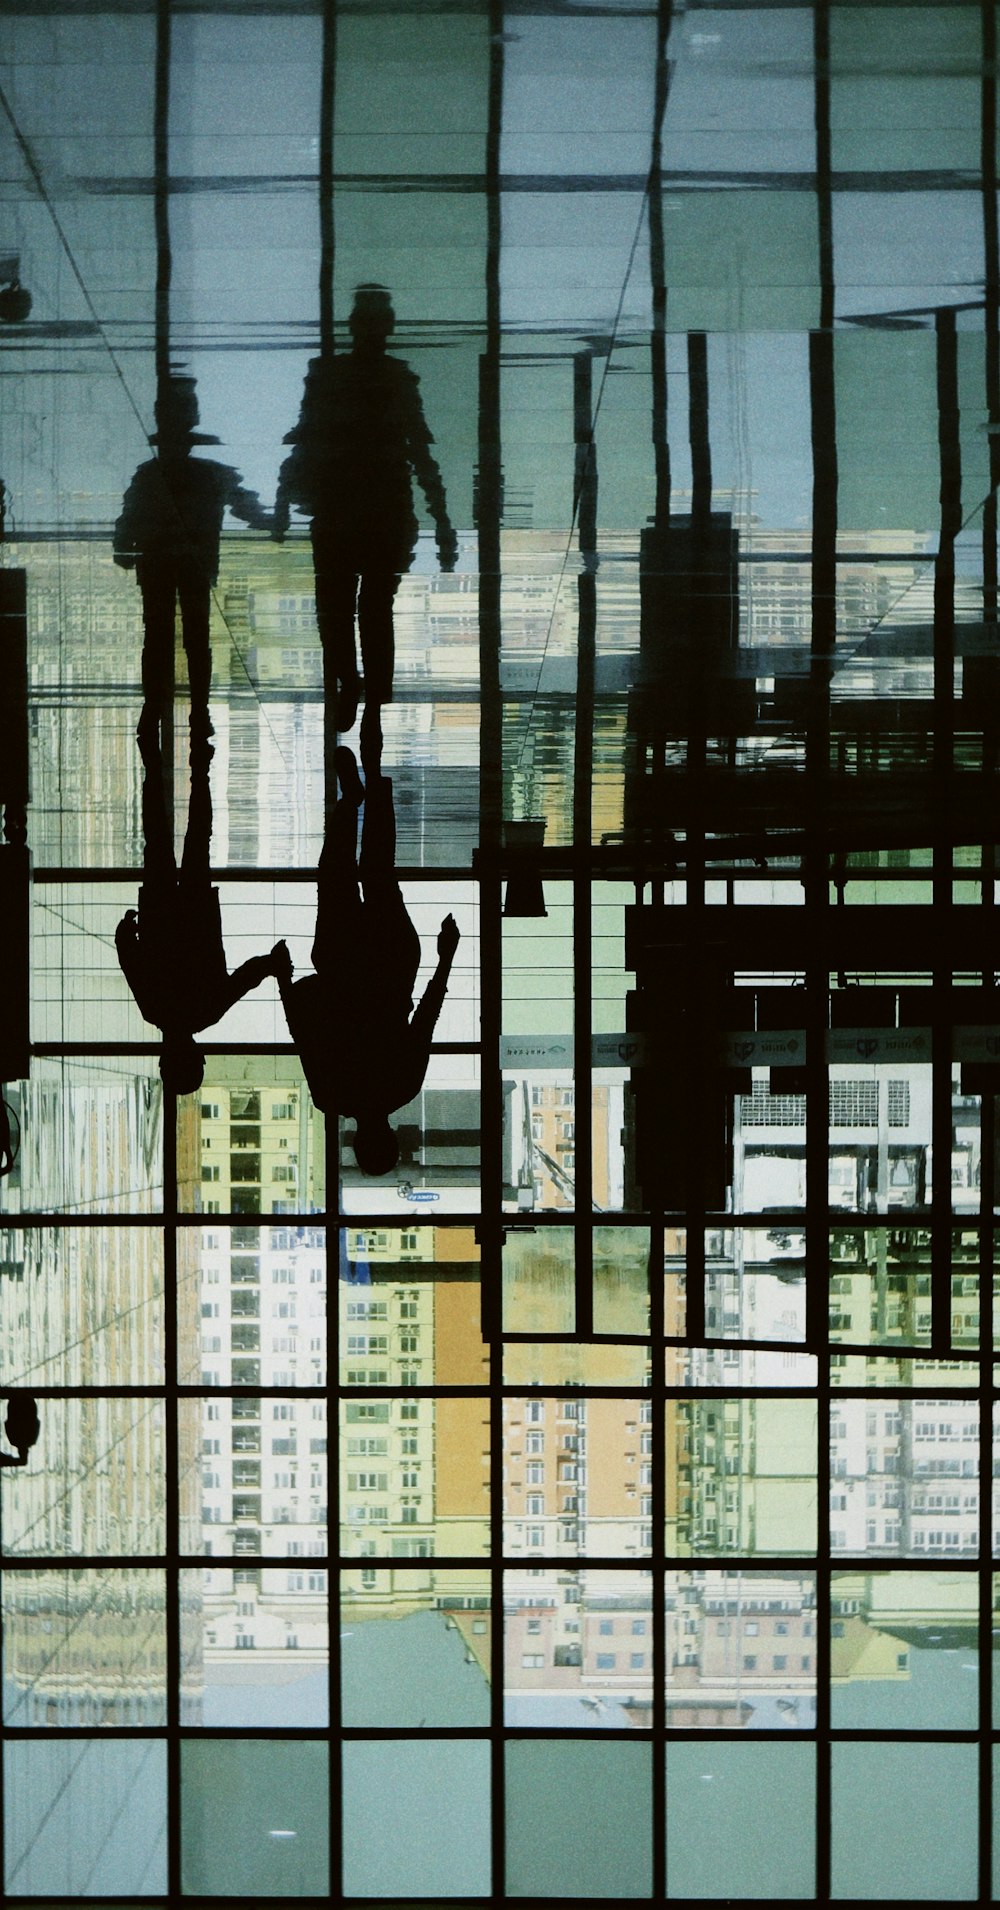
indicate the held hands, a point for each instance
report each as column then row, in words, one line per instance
column 447, row 544
column 448, row 939
column 280, row 963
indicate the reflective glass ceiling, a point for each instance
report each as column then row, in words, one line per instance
column 573, row 1395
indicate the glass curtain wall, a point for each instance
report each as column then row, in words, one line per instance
column 593, row 1502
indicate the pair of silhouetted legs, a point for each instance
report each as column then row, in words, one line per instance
column 346, row 597
column 163, row 585
column 158, row 861
column 364, row 937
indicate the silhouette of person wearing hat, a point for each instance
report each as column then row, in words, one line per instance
column 170, row 949
column 360, row 439
column 362, row 1044
column 169, row 532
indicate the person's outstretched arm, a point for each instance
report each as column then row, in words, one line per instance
column 250, row 974
column 281, row 969
column 133, row 967
column 428, row 475
column 424, row 1018
column 246, row 505
column 133, row 522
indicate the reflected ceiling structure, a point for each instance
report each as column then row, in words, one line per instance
column 614, row 1463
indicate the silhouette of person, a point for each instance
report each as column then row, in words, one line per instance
column 362, row 1044
column 22, row 1427
column 169, row 533
column 8, row 1148
column 360, row 438
column 170, row 949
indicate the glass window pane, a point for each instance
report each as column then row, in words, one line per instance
column 904, row 1651
column 83, row 1818
column 420, row 1850
column 84, row 1648
column 84, row 1305
column 550, row 1514
column 255, row 1646
column 254, row 1818
column 94, row 1484
column 538, row 1279
column 410, row 1307
column 440, row 1144
column 925, row 1798
column 252, row 1305
column 904, row 1477
column 740, row 1820
column 91, row 1139
column 427, row 1494
column 250, row 1142
column 741, row 1476
column 256, row 1471
column 741, row 1651
column 578, row 1649
column 415, row 1647
column 578, row 1819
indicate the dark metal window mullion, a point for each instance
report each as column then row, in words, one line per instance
column 171, row 1456
column 585, row 506
column 823, row 588
column 489, row 514
column 658, row 1396
column 988, row 1123
column 941, row 926
column 987, row 1238
column 660, row 1458
column 171, row 1348
column 335, row 1220
column 702, row 963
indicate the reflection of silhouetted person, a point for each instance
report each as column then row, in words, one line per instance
column 363, row 1045
column 170, row 949
column 360, row 437
column 7, row 1150
column 169, row 532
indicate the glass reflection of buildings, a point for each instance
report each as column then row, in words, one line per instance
column 266, row 595
column 258, row 1152
column 414, row 1471
column 575, row 1482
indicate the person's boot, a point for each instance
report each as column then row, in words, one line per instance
column 351, row 786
